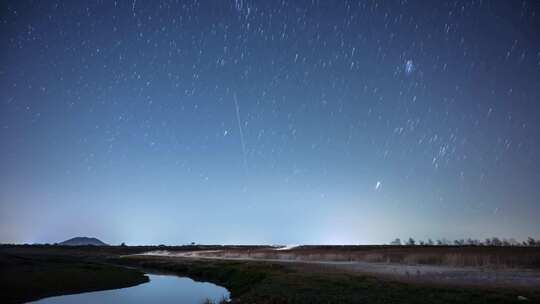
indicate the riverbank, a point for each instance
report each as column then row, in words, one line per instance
column 29, row 275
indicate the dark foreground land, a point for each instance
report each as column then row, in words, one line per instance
column 31, row 272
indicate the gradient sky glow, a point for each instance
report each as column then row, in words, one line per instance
column 248, row 121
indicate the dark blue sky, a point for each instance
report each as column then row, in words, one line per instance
column 269, row 121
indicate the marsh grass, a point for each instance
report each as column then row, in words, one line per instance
column 266, row 282
column 452, row 256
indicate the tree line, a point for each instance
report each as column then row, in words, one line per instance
column 494, row 241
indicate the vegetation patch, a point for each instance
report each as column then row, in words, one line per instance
column 265, row 282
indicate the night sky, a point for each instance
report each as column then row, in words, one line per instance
column 291, row 122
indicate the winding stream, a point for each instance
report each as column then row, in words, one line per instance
column 163, row 289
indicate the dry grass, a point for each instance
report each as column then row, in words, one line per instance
column 453, row 256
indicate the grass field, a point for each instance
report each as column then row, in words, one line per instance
column 31, row 272
column 263, row 282
column 453, row 256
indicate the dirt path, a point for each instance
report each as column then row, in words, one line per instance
column 417, row 273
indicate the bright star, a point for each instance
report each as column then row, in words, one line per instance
column 409, row 67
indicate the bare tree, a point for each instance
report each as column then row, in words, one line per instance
column 443, row 242
column 495, row 241
column 396, row 242
column 471, row 242
column 513, row 242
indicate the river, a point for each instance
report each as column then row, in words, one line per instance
column 163, row 289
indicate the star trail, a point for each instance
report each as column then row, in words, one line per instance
column 292, row 122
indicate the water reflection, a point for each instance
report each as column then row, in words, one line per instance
column 161, row 289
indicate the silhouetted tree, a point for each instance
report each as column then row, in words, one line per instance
column 396, row 242
column 495, row 241
column 513, row 242
column 472, row 242
column 444, row 242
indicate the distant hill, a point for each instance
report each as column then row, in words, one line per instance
column 83, row 241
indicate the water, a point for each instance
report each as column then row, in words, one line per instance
column 163, row 289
